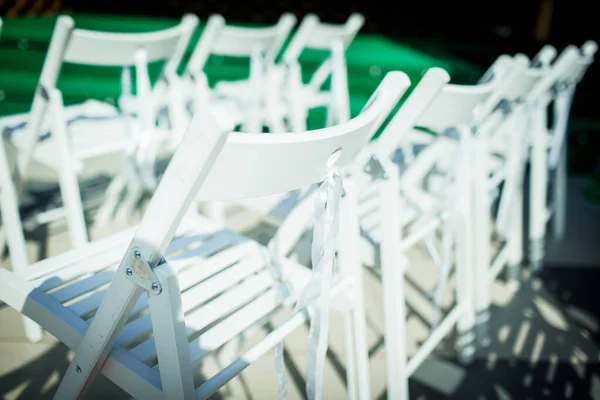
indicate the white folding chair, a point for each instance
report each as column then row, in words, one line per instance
column 390, row 204
column 216, row 284
column 549, row 145
column 248, row 101
column 313, row 34
column 65, row 139
column 497, row 159
column 418, row 208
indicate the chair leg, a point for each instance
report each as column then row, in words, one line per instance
column 349, row 341
column 465, row 284
column 558, row 160
column 393, row 265
column 111, row 200
column 560, row 194
column 355, row 323
column 170, row 335
column 13, row 233
column 515, row 238
column 69, row 186
column 215, row 210
column 538, row 189
column 110, row 318
column 481, row 232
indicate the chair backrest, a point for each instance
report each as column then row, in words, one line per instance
column 568, row 69
column 314, row 34
column 456, row 105
column 544, row 57
column 212, row 164
column 394, row 134
column 588, row 50
column 102, row 49
column 236, row 41
column 256, row 165
column 80, row 46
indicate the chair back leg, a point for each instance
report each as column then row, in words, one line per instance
column 481, row 234
column 393, row 265
column 69, row 186
column 170, row 337
column 538, row 187
column 357, row 351
column 15, row 237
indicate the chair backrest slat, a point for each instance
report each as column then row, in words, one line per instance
column 455, row 105
column 116, row 49
column 235, row 41
column 256, row 165
column 314, row 34
column 561, row 71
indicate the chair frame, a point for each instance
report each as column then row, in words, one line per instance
column 549, row 146
column 76, row 46
column 261, row 45
column 314, row 34
column 143, row 268
column 426, row 101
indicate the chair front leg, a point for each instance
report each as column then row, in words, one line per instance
column 170, row 337
column 538, row 188
column 116, row 307
column 355, row 323
column 69, row 186
column 393, row 265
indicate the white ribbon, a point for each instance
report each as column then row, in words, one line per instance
column 316, row 294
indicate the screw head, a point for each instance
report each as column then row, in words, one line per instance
column 154, row 286
column 137, row 254
column 78, row 369
column 128, row 271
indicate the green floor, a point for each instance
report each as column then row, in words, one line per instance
column 24, row 41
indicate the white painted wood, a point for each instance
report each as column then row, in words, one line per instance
column 415, row 105
column 313, row 34
column 69, row 187
column 564, row 73
column 184, row 175
column 14, row 233
column 393, row 265
column 303, row 156
column 128, row 373
column 253, row 98
column 168, row 328
column 355, row 320
column 230, row 265
column 116, row 49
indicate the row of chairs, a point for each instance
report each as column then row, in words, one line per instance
column 119, row 302
column 98, row 129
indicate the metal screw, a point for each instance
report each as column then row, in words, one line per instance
column 137, row 254
column 154, row 286
column 78, row 369
column 128, row 271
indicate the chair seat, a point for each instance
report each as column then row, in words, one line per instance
column 94, row 128
column 226, row 285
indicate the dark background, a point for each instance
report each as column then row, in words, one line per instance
column 474, row 31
